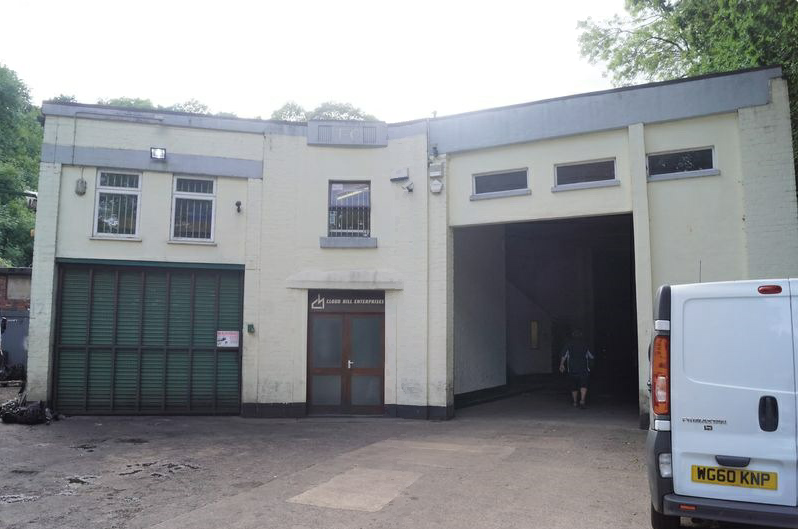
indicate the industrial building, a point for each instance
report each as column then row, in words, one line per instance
column 196, row 264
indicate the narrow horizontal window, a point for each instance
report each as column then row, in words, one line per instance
column 193, row 185
column 117, row 203
column 680, row 162
column 193, row 203
column 502, row 181
column 582, row 173
column 349, row 209
column 123, row 180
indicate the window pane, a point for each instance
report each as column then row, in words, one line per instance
column 366, row 390
column 349, row 213
column 326, row 390
column 193, row 218
column 585, row 172
column 327, row 340
column 491, row 183
column 366, row 343
column 679, row 162
column 116, row 214
column 192, row 185
column 119, row 180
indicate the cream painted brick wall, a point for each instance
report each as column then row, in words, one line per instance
column 771, row 215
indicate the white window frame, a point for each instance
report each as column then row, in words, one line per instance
column 108, row 190
column 587, row 185
column 211, row 197
column 714, row 171
column 499, row 194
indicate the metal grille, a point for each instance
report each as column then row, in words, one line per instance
column 192, row 185
column 349, row 209
column 116, row 213
column 193, row 218
column 130, row 181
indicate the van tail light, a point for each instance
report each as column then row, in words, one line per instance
column 769, row 289
column 661, row 375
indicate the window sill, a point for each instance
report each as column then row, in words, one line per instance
column 195, row 243
column 585, row 185
column 347, row 242
column 501, row 194
column 120, row 239
column 685, row 174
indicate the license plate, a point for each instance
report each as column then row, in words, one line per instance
column 735, row 477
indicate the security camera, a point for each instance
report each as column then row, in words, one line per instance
column 408, row 187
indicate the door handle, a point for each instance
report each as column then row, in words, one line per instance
column 768, row 413
column 733, row 461
column 349, row 364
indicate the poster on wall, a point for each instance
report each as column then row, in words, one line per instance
column 226, row 338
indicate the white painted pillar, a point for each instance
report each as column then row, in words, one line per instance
column 43, row 284
column 644, row 290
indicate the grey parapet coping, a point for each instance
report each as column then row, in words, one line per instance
column 140, row 160
column 585, row 185
column 200, row 121
column 347, row 242
column 601, row 111
column 500, row 194
column 684, row 174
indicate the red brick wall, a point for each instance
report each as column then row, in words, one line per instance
column 10, row 304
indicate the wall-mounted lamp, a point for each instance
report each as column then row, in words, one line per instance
column 158, row 153
column 238, row 206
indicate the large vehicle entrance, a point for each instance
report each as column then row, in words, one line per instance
column 522, row 289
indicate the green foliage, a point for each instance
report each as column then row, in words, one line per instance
column 340, row 111
column 329, row 110
column 192, row 105
column 63, row 98
column 129, row 102
column 666, row 39
column 20, row 145
column 290, row 111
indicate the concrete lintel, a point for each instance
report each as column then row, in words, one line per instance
column 347, row 279
column 140, row 160
column 347, row 242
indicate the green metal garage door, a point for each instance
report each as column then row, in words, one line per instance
column 144, row 341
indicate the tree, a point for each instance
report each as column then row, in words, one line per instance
column 290, row 111
column 130, row 102
column 340, row 111
column 63, row 98
column 329, row 110
column 192, row 105
column 666, row 39
column 20, row 145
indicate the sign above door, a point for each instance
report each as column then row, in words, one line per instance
column 346, row 301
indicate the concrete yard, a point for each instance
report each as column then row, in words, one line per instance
column 530, row 461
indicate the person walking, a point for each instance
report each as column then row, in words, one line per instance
column 576, row 358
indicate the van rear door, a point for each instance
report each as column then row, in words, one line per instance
column 733, row 395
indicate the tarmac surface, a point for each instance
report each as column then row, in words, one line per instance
column 528, row 461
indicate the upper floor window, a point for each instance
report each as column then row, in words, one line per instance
column 349, row 209
column 694, row 162
column 584, row 174
column 193, row 203
column 500, row 183
column 117, row 204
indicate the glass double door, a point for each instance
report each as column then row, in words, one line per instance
column 346, row 363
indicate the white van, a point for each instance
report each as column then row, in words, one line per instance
column 722, row 437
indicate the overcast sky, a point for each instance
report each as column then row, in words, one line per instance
column 398, row 60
